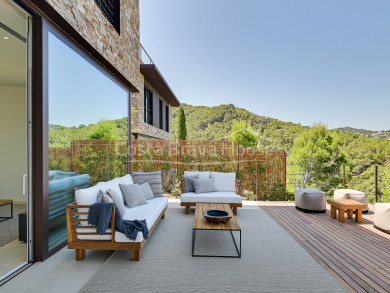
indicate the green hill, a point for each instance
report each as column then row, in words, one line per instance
column 215, row 123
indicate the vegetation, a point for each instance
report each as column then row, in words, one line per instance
column 62, row 136
column 315, row 158
column 361, row 151
column 243, row 134
column 181, row 123
column 105, row 129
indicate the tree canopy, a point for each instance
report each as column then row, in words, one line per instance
column 182, row 125
column 244, row 134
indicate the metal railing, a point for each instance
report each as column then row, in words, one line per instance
column 374, row 180
column 143, row 54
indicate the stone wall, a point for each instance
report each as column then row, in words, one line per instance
column 122, row 50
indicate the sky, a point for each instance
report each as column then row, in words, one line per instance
column 78, row 92
column 303, row 61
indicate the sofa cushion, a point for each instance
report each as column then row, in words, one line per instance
column 112, row 184
column 203, row 185
column 133, row 195
column 150, row 212
column 87, row 196
column 212, row 197
column 146, row 190
column 187, row 182
column 202, row 175
column 104, row 197
column 154, row 180
column 118, row 200
column 127, row 179
column 224, row 181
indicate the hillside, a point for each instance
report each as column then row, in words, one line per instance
column 214, row 123
column 369, row 133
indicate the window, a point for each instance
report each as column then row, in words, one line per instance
column 160, row 114
column 148, row 100
column 167, row 118
column 88, row 112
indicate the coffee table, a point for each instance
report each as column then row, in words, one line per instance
column 4, row 202
column 200, row 223
column 340, row 205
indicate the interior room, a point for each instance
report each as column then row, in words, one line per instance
column 13, row 142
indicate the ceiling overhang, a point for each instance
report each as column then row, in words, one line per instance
column 155, row 78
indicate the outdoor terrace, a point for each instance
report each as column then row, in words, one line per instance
column 356, row 255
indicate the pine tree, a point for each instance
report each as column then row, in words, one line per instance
column 181, row 122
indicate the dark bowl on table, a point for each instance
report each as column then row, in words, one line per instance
column 217, row 216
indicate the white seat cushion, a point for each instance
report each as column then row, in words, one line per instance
column 224, row 181
column 149, row 212
column 213, row 197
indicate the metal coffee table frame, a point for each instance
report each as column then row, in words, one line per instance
column 206, row 255
column 200, row 223
column 2, row 219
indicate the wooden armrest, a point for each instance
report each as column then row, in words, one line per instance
column 70, row 213
column 182, row 186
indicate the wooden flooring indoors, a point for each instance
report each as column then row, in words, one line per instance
column 356, row 254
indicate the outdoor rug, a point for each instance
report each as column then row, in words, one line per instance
column 271, row 261
column 9, row 229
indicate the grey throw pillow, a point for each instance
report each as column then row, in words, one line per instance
column 133, row 195
column 203, row 185
column 118, row 201
column 187, row 182
column 154, row 180
column 103, row 197
column 147, row 191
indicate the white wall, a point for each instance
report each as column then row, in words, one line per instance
column 13, row 136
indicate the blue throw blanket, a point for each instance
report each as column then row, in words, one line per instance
column 100, row 214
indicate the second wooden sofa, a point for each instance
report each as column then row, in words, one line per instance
column 228, row 191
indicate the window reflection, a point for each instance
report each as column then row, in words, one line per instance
column 87, row 130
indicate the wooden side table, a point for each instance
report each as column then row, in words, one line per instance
column 340, row 205
column 4, row 202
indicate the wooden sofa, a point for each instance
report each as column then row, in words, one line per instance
column 82, row 236
column 206, row 198
column 72, row 219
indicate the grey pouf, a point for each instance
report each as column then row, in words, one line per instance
column 310, row 200
column 355, row 195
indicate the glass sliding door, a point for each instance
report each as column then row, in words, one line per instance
column 14, row 145
column 88, row 128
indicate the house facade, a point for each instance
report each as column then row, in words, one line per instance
column 151, row 108
column 70, row 69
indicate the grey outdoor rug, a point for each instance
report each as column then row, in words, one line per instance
column 9, row 229
column 271, row 261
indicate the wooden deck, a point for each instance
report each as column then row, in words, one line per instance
column 356, row 254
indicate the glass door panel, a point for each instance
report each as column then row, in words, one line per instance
column 14, row 194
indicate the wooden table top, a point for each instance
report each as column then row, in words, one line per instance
column 346, row 203
column 200, row 223
column 5, row 201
